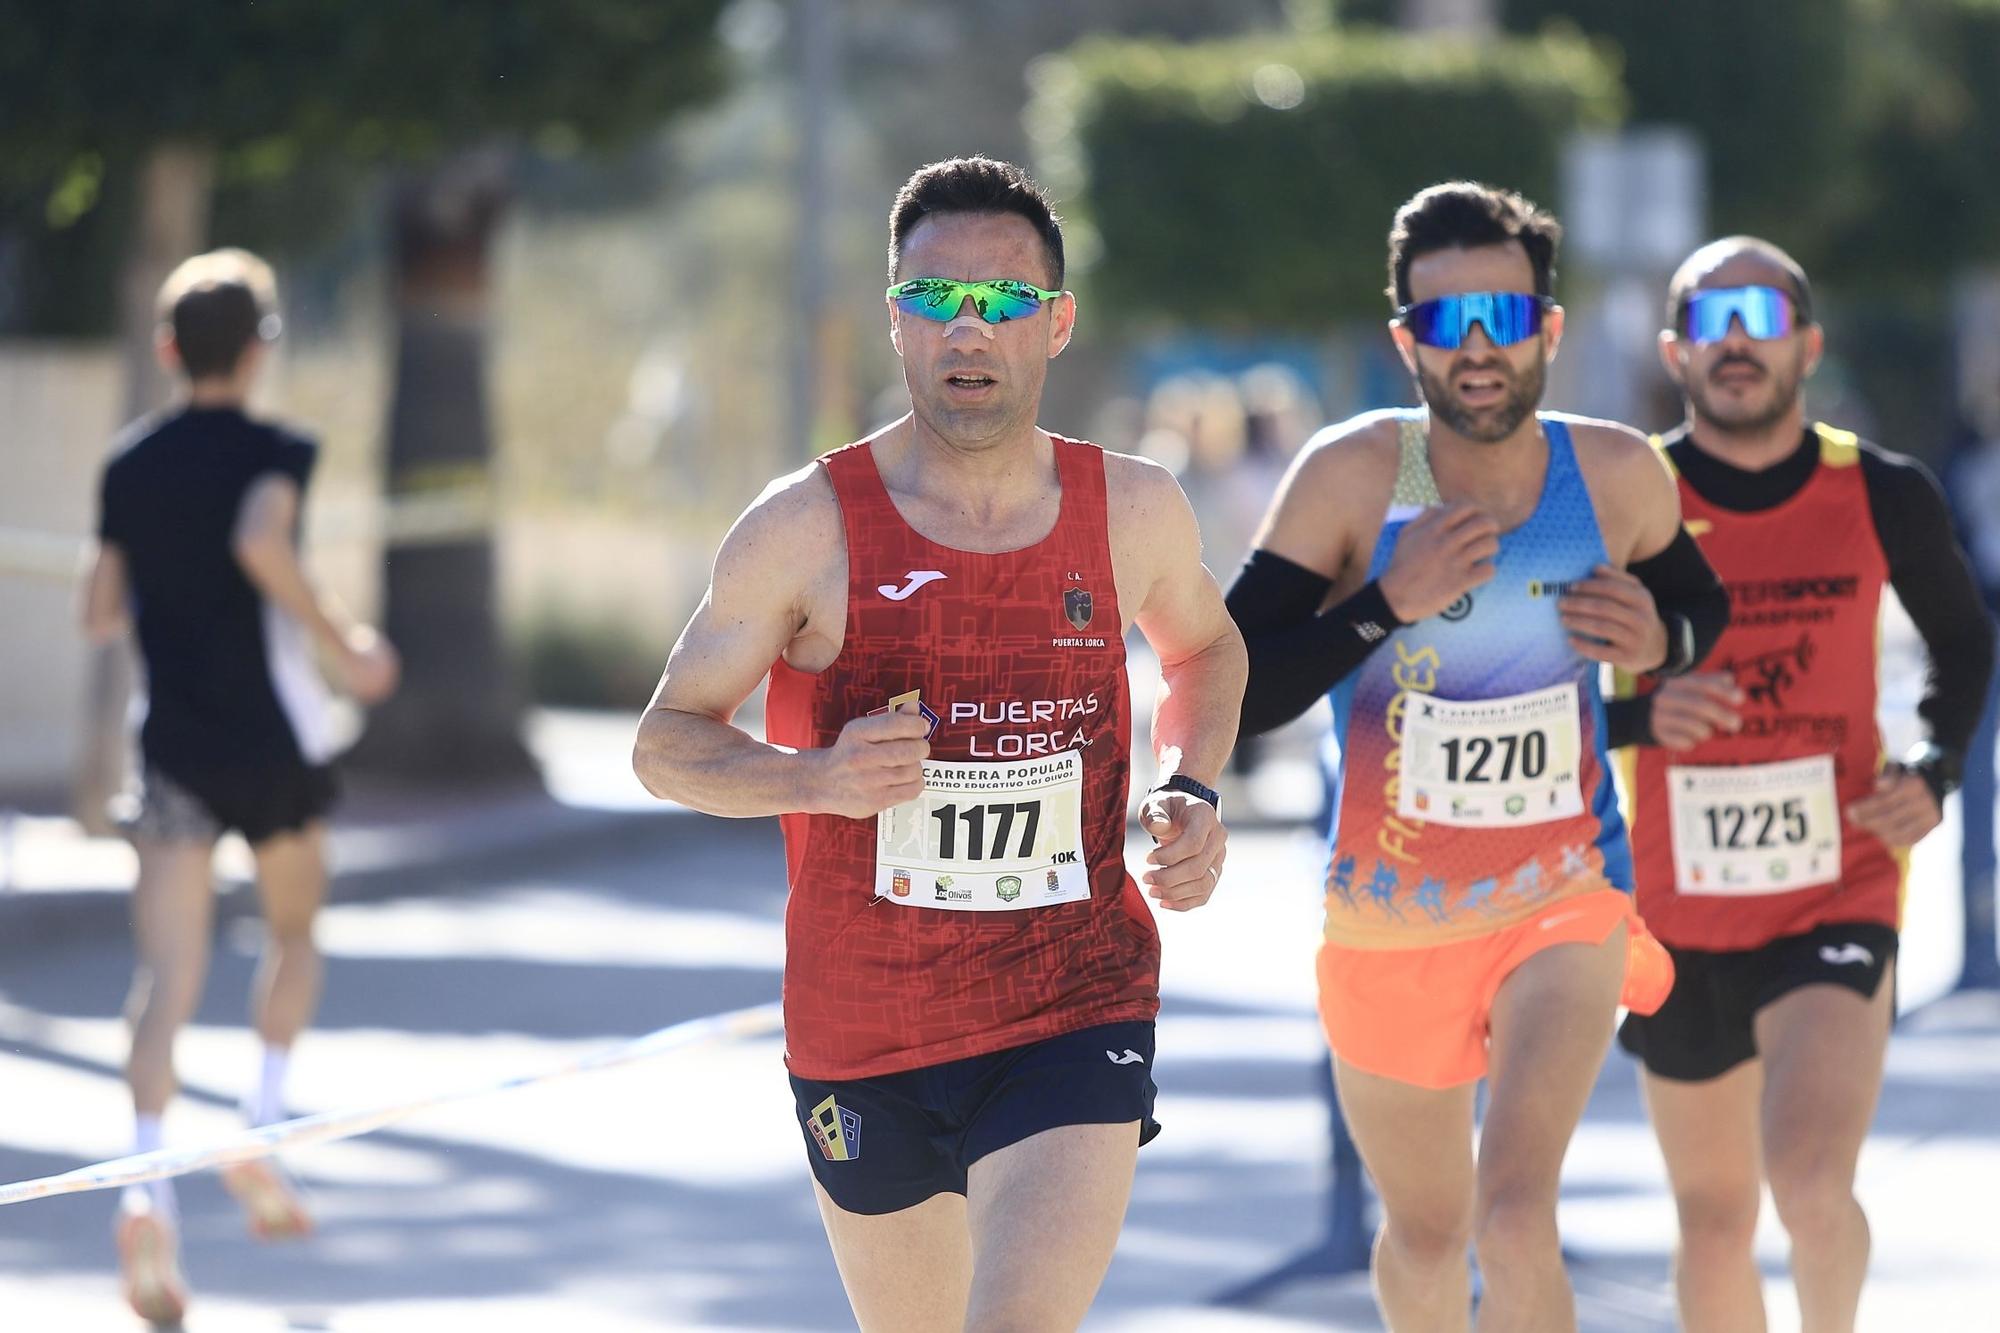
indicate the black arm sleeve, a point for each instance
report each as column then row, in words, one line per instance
column 1685, row 585
column 1932, row 578
column 1628, row 721
column 1298, row 653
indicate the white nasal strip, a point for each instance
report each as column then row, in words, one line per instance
column 987, row 837
column 1755, row 828
column 1492, row 763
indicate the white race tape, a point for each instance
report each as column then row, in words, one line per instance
column 430, row 518
column 737, row 1025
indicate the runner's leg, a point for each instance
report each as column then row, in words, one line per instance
column 291, row 884
column 1823, row 1048
column 173, row 906
column 1551, row 1024
column 1709, row 1137
column 1071, row 1183
column 905, row 1272
column 173, row 909
column 1417, row 1145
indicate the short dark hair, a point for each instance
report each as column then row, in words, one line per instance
column 1705, row 260
column 217, row 304
column 973, row 185
column 1465, row 214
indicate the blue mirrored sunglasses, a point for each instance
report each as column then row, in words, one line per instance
column 1507, row 317
column 1764, row 312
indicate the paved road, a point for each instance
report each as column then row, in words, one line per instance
column 673, row 1195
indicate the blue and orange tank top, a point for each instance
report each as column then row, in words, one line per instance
column 1472, row 788
column 995, row 910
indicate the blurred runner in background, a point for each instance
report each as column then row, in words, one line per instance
column 197, row 549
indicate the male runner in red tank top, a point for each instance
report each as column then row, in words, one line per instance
column 971, row 975
column 1769, row 835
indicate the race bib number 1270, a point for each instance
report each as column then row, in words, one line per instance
column 1492, row 763
column 987, row 837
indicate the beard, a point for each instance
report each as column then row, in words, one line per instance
column 1487, row 425
column 1739, row 418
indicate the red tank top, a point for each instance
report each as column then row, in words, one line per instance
column 1805, row 588
column 1021, row 658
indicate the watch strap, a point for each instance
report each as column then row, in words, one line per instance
column 1187, row 786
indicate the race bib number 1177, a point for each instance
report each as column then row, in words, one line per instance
column 987, row 837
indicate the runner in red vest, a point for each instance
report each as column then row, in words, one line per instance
column 1770, row 835
column 971, row 975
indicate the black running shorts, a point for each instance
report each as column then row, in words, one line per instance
column 1708, row 1025
column 258, row 803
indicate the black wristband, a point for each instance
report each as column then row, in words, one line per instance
column 1629, row 721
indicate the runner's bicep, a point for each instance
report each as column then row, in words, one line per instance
column 1303, row 524
column 1182, row 613
column 749, row 614
column 1656, row 508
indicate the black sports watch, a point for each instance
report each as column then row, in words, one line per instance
column 1939, row 767
column 1187, row 786
column 1680, row 645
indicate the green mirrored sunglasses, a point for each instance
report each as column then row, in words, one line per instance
column 995, row 299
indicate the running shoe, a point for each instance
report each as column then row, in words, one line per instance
column 149, row 1264
column 273, row 1203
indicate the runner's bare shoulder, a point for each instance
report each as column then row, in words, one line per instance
column 1629, row 484
column 1335, row 492
column 1139, row 491
column 789, row 544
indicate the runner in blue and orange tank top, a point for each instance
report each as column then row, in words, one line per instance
column 971, row 975
column 1770, row 831
column 1455, row 578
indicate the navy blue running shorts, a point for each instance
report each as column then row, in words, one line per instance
column 880, row 1145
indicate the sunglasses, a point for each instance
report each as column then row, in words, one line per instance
column 1507, row 317
column 1764, row 312
column 996, row 299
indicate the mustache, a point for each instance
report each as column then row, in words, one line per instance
column 1738, row 359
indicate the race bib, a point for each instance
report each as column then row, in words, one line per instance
column 1492, row 763
column 987, row 837
column 1755, row 828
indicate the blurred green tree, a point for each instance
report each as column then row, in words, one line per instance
column 1862, row 134
column 1764, row 85
column 1224, row 179
column 151, row 104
